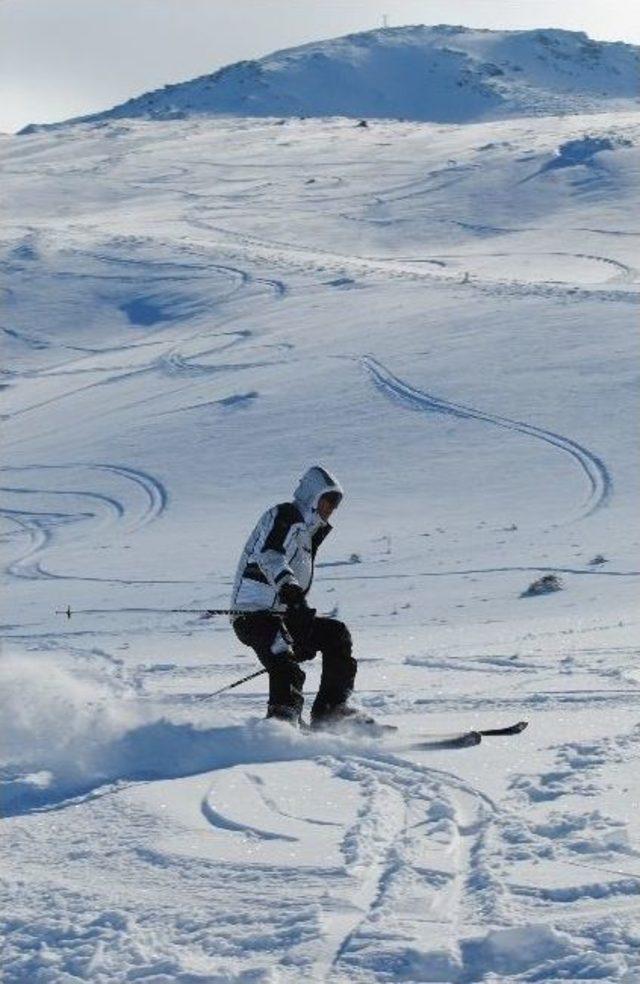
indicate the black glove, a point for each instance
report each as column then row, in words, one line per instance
column 299, row 617
column 292, row 596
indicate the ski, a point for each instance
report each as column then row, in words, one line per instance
column 511, row 729
column 454, row 739
column 465, row 739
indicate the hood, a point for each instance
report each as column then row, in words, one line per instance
column 314, row 483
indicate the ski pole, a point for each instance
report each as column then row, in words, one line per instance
column 68, row 611
column 230, row 686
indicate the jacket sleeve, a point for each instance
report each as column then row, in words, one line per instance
column 273, row 557
column 318, row 537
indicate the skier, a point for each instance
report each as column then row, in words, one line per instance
column 273, row 577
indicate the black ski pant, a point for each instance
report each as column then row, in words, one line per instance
column 281, row 645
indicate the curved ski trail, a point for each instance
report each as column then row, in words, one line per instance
column 44, row 525
column 595, row 469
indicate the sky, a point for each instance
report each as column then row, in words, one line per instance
column 64, row 58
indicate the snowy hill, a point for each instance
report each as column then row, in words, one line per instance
column 196, row 310
column 441, row 74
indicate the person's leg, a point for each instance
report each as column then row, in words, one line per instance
column 272, row 644
column 333, row 639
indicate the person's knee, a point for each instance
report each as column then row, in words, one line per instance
column 341, row 638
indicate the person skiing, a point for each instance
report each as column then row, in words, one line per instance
column 273, row 578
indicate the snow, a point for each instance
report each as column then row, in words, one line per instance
column 195, row 311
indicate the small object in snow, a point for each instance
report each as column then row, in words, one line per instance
column 544, row 585
column 340, row 282
column 362, row 123
column 355, row 559
column 597, row 560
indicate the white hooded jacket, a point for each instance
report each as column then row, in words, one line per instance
column 282, row 547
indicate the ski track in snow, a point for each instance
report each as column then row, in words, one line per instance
column 423, row 859
column 426, row 856
column 78, row 367
column 426, row 885
column 478, row 570
column 415, row 848
column 44, row 527
column 598, row 476
column 318, row 259
column 177, row 359
column 412, row 861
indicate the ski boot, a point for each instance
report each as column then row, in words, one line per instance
column 280, row 712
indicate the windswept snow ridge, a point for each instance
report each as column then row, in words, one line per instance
column 581, row 152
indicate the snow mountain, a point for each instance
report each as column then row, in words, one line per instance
column 441, row 74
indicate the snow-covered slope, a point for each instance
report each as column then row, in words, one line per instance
column 443, row 74
column 446, row 317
